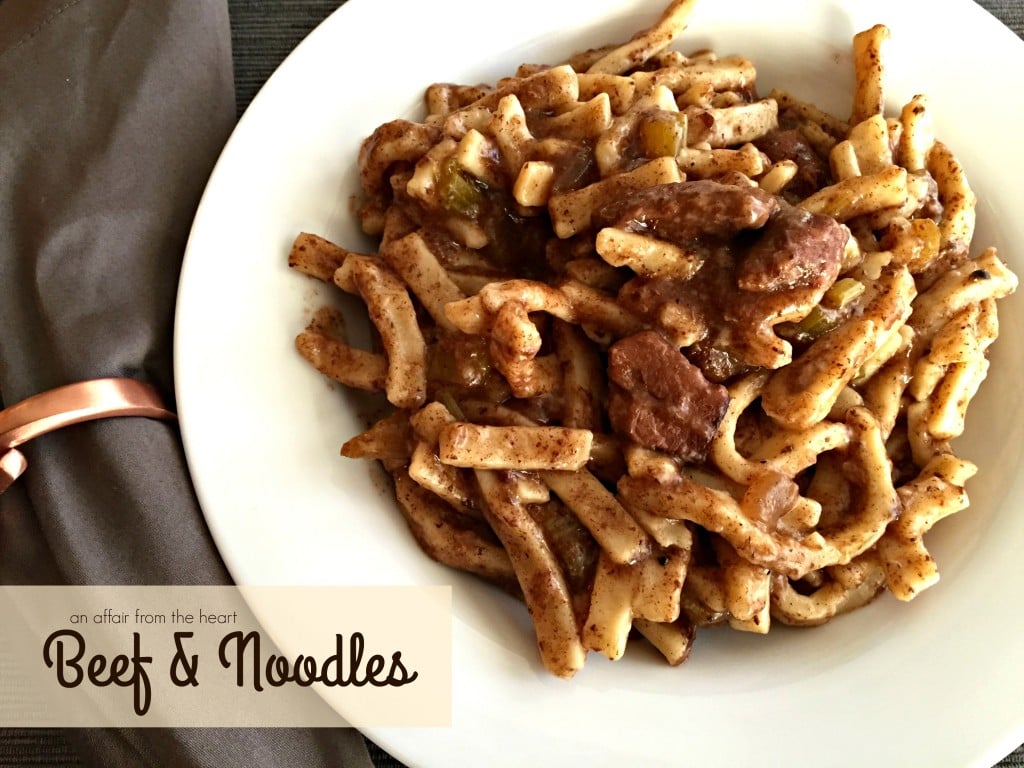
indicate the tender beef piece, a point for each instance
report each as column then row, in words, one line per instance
column 789, row 144
column 717, row 364
column 686, row 211
column 796, row 249
column 660, row 400
column 737, row 325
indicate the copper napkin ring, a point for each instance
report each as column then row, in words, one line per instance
column 71, row 404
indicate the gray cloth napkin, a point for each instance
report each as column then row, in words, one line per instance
column 112, row 114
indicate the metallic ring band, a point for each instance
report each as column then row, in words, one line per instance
column 70, row 404
column 75, row 403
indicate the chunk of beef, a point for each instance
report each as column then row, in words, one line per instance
column 686, row 211
column 796, row 249
column 660, row 400
column 718, row 364
column 790, row 144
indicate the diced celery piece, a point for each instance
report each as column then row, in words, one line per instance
column 842, row 293
column 815, row 324
column 457, row 193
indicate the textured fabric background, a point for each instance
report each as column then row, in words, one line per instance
column 263, row 32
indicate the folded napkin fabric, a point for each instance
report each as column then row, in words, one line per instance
column 112, row 114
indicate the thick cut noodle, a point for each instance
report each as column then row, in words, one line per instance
column 662, row 353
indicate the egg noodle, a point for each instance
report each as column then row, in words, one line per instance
column 664, row 353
